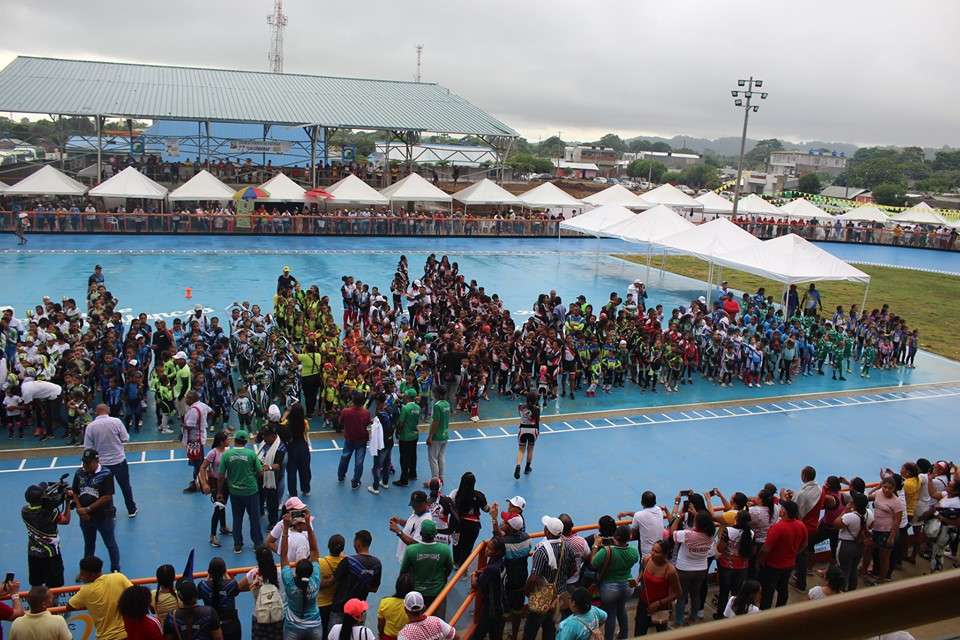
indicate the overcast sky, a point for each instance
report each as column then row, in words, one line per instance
column 861, row 71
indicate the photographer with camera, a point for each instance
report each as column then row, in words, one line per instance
column 46, row 509
column 92, row 496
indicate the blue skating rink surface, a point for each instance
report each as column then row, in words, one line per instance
column 583, row 467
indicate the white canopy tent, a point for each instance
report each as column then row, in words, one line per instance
column 353, row 190
column 868, row 213
column 920, row 213
column 3, row 186
column 596, row 220
column 202, row 186
column 651, row 225
column 757, row 206
column 415, row 188
column 282, row 189
column 485, row 192
column 669, row 195
column 548, row 195
column 617, row 195
column 47, row 181
column 803, row 209
column 715, row 203
column 129, row 183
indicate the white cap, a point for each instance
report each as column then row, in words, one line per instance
column 553, row 525
column 198, row 307
column 180, row 355
column 516, row 523
column 518, row 502
column 273, row 413
column 413, row 601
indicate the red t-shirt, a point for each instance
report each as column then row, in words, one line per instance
column 731, row 307
column 6, row 613
column 146, row 628
column 785, row 540
column 354, row 421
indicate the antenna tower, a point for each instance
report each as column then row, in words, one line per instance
column 419, row 59
column 277, row 21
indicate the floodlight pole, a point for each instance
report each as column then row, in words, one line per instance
column 748, row 94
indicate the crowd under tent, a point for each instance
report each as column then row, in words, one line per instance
column 920, row 213
column 280, row 188
column 353, row 190
column 485, row 192
column 414, row 188
column 129, row 183
column 715, row 203
column 669, row 195
column 803, row 209
column 201, row 187
column 617, row 195
column 756, row 206
column 548, row 195
column 47, row 181
column 596, row 220
column 868, row 213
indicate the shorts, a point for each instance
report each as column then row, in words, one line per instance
column 880, row 537
column 527, row 436
column 47, row 570
column 569, row 366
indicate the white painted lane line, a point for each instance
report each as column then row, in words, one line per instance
column 505, row 432
column 172, row 454
column 482, row 434
column 590, row 424
column 777, row 407
column 143, row 456
column 53, row 463
column 685, row 415
column 547, row 428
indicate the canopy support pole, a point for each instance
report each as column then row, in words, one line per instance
column 61, row 143
column 206, row 133
column 326, row 152
column 649, row 259
column 866, row 290
column 709, row 282
column 312, row 134
column 99, row 149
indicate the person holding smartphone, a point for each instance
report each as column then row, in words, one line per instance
column 11, row 589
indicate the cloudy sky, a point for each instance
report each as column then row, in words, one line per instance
column 862, row 71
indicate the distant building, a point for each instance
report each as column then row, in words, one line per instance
column 670, row 159
column 582, row 170
column 604, row 157
column 799, row 163
column 766, row 183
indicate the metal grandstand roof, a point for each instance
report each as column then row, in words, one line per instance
column 90, row 88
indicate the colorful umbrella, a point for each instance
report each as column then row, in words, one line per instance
column 250, row 193
column 319, row 194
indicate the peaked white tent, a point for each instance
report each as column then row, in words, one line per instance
column 709, row 240
column 618, row 195
column 416, row 189
column 714, row 203
column 757, row 206
column 791, row 260
column 485, row 192
column 669, row 195
column 3, row 186
column 353, row 190
column 548, row 195
column 47, row 182
column 920, row 213
column 129, row 183
column 803, row 209
column 868, row 213
column 202, row 186
column 282, row 189
column 649, row 226
column 596, row 220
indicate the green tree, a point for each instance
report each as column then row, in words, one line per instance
column 946, row 160
column 645, row 168
column 758, row 157
column 552, row 147
column 809, row 183
column 661, row 146
column 699, row 176
column 613, row 141
column 673, row 177
column 638, row 144
column 542, row 165
column 889, row 193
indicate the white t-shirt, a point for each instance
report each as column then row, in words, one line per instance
column 851, row 528
column 298, row 544
column 12, row 401
column 947, row 502
column 728, row 611
column 39, row 390
column 694, row 550
column 358, row 633
column 816, row 593
column 648, row 523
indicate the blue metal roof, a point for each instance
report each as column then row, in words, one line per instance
column 89, row 88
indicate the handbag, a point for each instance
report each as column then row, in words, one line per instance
column 194, row 447
column 544, row 600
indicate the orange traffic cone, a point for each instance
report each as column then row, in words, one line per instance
column 188, row 293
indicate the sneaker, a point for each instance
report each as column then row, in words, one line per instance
column 400, row 483
column 384, row 487
column 354, row 485
column 516, row 473
column 214, row 542
column 375, row 491
column 474, row 418
column 238, row 548
column 527, row 469
column 226, row 532
column 133, row 514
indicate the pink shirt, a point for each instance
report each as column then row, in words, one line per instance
column 884, row 509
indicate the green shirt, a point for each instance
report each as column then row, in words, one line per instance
column 429, row 564
column 242, row 467
column 408, row 421
column 310, row 364
column 441, row 415
column 184, row 381
column 621, row 563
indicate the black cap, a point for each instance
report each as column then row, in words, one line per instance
column 89, row 455
column 34, row 494
column 417, row 497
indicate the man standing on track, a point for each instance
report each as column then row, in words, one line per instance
column 108, row 435
column 240, row 468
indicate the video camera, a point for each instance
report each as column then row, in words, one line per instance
column 50, row 495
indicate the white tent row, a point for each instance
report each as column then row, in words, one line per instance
column 353, row 190
column 548, row 195
column 129, row 183
column 3, row 186
column 485, row 192
column 669, row 195
column 803, row 209
column 414, row 188
column 202, row 186
column 791, row 260
column 596, row 220
column 757, row 206
column 715, row 203
column 618, row 195
column 920, row 213
column 868, row 213
column 47, row 181
column 649, row 226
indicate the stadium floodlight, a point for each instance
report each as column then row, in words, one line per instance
column 758, row 83
column 748, row 96
column 756, row 108
column 734, row 93
column 738, row 103
column 763, row 96
column 740, row 83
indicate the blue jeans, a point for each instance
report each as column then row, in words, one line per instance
column 358, row 450
column 121, row 473
column 613, row 599
column 291, row 633
column 103, row 526
column 250, row 505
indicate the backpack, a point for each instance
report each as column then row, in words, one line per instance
column 268, row 609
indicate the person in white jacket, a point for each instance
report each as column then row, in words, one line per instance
column 375, row 447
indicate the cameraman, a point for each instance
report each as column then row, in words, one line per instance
column 45, row 510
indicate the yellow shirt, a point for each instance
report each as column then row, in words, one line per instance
column 164, row 603
column 100, row 599
column 328, row 565
column 730, row 517
column 911, row 490
column 393, row 614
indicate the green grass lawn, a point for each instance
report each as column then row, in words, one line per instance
column 930, row 302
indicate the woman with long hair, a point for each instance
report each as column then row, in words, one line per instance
column 264, row 573
column 745, row 602
column 219, row 591
column 298, row 450
column 695, row 547
column 134, row 607
column 734, row 549
column 301, row 585
column 660, row 588
column 528, row 432
column 469, row 503
column 352, row 627
column 762, row 515
column 853, row 526
column 209, row 479
column 164, row 597
column 191, row 621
